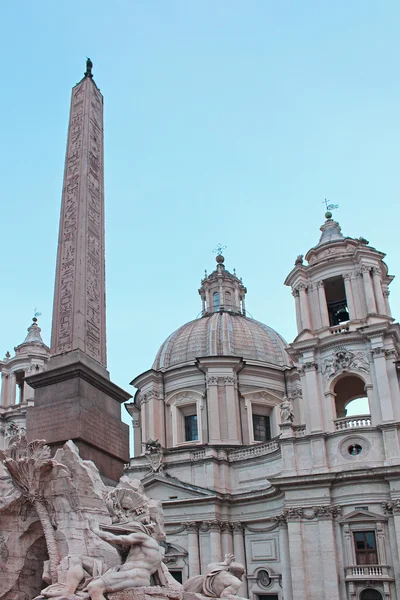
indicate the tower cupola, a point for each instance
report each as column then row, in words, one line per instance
column 222, row 291
column 343, row 284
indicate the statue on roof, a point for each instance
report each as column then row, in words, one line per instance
column 89, row 67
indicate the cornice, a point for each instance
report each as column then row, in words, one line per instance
column 82, row 371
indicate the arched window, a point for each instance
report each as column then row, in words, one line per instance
column 216, row 301
column 228, row 301
column 370, row 595
column 350, row 396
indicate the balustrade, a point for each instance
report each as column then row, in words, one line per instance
column 353, row 422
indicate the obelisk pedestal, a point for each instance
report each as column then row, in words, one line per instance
column 74, row 398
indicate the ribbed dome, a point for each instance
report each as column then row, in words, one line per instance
column 223, row 334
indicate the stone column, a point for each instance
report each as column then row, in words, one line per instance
column 377, row 283
column 203, row 306
column 368, row 289
column 382, row 380
column 12, row 390
column 215, row 541
column 226, row 539
column 237, row 301
column 240, row 554
column 193, row 549
column 243, row 306
column 394, row 386
column 5, row 382
column 349, row 295
column 374, row 407
column 386, row 293
column 304, row 308
column 208, row 301
column 295, row 293
column 329, row 412
column 323, row 307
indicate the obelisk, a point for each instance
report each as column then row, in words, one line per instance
column 79, row 311
column 74, row 397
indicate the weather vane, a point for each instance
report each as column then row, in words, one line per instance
column 219, row 249
column 330, row 207
column 36, row 313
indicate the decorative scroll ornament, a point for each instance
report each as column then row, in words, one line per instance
column 344, row 360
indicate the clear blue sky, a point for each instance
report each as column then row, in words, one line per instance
column 225, row 120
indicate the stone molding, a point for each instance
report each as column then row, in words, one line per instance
column 322, row 512
column 309, row 513
column 226, row 379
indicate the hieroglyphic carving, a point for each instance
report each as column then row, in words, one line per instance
column 79, row 311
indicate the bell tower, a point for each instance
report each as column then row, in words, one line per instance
column 347, row 342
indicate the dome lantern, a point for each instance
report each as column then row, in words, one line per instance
column 222, row 291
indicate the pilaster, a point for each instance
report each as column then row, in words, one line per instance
column 323, row 308
column 193, row 549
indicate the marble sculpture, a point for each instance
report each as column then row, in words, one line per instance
column 66, row 535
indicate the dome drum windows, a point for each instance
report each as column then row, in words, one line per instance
column 261, row 414
column 186, row 421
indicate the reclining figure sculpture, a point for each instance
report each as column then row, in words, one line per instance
column 222, row 580
column 143, row 560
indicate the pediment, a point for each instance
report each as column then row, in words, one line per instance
column 161, row 487
column 358, row 516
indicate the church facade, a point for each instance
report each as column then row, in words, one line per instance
column 245, row 439
column 251, row 450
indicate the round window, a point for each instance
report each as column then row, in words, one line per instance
column 354, row 449
column 263, row 578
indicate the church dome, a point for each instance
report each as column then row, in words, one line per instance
column 223, row 334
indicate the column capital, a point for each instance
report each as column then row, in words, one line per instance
column 347, row 276
column 237, row 527
column 364, row 269
column 229, row 379
column 191, row 527
column 309, row 365
column 214, row 525
column 320, row 284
